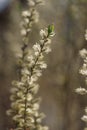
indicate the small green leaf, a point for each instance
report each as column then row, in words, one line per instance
column 50, row 29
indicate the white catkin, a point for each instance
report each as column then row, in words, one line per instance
column 24, row 106
column 23, row 91
column 83, row 71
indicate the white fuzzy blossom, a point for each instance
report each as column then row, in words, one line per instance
column 32, row 3
column 25, row 107
column 81, row 91
column 83, row 53
column 83, row 70
column 84, row 118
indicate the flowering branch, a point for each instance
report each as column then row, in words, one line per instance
column 24, row 106
column 83, row 71
column 29, row 17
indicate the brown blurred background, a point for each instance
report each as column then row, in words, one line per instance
column 60, row 103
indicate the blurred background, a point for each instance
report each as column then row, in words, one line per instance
column 62, row 106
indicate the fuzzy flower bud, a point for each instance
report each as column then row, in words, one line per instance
column 81, row 91
column 84, row 118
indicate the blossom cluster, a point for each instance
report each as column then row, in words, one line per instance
column 29, row 17
column 25, row 106
column 83, row 71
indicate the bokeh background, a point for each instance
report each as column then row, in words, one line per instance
column 62, row 106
